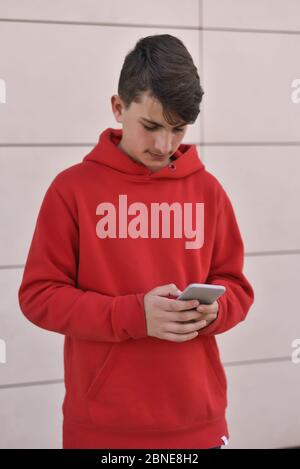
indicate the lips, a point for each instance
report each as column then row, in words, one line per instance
column 158, row 156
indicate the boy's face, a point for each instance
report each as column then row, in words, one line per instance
column 147, row 143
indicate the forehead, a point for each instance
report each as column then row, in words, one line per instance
column 151, row 109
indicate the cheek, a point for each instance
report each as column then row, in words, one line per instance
column 146, row 142
column 140, row 143
column 178, row 139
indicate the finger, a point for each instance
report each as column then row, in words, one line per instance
column 180, row 337
column 183, row 316
column 212, row 308
column 208, row 317
column 181, row 305
column 165, row 290
column 184, row 328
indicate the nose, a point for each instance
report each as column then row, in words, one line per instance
column 163, row 144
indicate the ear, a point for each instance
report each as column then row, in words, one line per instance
column 117, row 106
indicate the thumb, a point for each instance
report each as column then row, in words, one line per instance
column 165, row 290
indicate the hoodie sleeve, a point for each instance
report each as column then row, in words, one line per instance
column 48, row 295
column 227, row 269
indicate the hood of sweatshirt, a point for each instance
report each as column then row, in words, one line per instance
column 185, row 161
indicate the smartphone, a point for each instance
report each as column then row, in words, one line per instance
column 204, row 292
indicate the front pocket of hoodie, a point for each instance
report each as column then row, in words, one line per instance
column 158, row 385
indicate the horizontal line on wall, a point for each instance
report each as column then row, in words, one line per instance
column 58, row 145
column 105, row 24
column 31, row 383
column 228, row 364
column 259, row 361
column 273, row 253
column 155, row 26
column 247, row 254
column 250, row 30
column 248, row 144
column 30, row 145
column 203, row 144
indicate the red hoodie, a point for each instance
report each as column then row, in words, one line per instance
column 91, row 261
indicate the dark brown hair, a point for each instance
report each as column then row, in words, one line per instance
column 162, row 66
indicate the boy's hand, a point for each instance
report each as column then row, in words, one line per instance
column 208, row 312
column 168, row 318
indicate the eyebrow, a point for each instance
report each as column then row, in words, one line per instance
column 160, row 125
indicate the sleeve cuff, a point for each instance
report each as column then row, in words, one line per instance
column 132, row 315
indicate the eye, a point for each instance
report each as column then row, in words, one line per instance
column 152, row 129
column 178, row 130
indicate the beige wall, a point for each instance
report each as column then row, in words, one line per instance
column 60, row 63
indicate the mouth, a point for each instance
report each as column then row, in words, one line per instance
column 158, row 157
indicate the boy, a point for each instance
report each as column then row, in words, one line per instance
column 117, row 236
